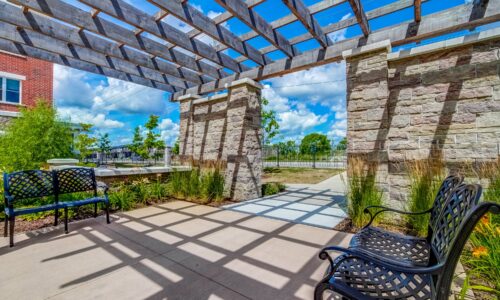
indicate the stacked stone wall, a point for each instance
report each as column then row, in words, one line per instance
column 226, row 129
column 440, row 104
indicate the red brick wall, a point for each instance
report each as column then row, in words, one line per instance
column 39, row 79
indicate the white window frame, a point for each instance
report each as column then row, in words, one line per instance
column 5, row 76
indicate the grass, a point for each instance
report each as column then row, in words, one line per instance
column 298, row 175
column 362, row 190
column 272, row 188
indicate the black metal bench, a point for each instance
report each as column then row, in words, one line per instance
column 361, row 273
column 32, row 184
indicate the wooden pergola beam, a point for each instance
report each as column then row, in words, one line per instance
column 372, row 14
column 300, row 10
column 24, row 18
column 193, row 17
column 70, row 14
column 417, row 5
column 255, row 21
column 357, row 8
column 138, row 18
column 37, row 40
column 451, row 20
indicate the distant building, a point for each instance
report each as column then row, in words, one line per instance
column 23, row 80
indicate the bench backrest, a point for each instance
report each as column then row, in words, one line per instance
column 461, row 202
column 448, row 185
column 72, row 180
column 27, row 184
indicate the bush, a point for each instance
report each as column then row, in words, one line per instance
column 362, row 190
column 202, row 186
column 272, row 188
column 33, row 138
column 425, row 180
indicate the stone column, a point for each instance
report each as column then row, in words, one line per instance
column 226, row 128
column 243, row 146
column 367, row 106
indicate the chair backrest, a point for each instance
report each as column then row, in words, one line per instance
column 71, row 180
column 27, row 184
column 455, row 212
column 448, row 185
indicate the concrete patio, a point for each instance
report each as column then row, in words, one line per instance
column 177, row 250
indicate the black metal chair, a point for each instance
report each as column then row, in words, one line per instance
column 410, row 250
column 358, row 274
column 73, row 180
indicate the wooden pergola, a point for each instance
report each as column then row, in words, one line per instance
column 147, row 50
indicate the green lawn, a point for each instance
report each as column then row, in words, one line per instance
column 298, row 175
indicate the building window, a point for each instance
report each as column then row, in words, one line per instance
column 10, row 90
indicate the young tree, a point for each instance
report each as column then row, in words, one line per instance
column 176, row 148
column 34, row 137
column 137, row 142
column 269, row 123
column 84, row 141
column 314, row 142
column 104, row 144
column 152, row 140
column 342, row 144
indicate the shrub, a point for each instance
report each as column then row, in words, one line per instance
column 121, row 197
column 362, row 189
column 272, row 188
column 425, row 179
column 203, row 186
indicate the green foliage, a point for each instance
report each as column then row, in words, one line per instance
column 34, row 137
column 272, row 188
column 314, row 142
column 152, row 140
column 176, row 148
column 341, row 145
column 425, row 179
column 137, row 142
column 121, row 198
column 84, row 142
column 363, row 190
column 287, row 148
column 104, row 144
column 269, row 123
column 202, row 186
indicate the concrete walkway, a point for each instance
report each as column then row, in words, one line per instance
column 177, row 250
column 322, row 204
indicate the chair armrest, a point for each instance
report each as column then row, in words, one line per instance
column 382, row 209
column 391, row 265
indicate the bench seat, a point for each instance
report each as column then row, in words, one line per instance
column 82, row 202
column 30, row 210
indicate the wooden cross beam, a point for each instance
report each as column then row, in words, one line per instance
column 357, row 8
column 70, row 14
column 198, row 20
column 44, row 25
column 138, row 18
column 451, row 20
column 417, row 4
column 255, row 21
column 300, row 10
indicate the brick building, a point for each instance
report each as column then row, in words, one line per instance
column 23, row 80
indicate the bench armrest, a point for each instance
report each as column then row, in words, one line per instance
column 381, row 209
column 391, row 265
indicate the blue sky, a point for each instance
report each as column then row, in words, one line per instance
column 305, row 102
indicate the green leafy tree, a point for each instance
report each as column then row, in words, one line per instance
column 104, row 144
column 176, row 148
column 287, row 148
column 84, row 141
column 137, row 142
column 34, row 137
column 152, row 140
column 342, row 144
column 316, row 141
column 269, row 123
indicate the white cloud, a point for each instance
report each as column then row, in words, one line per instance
column 169, row 131
column 100, row 120
column 300, row 120
column 277, row 102
column 338, row 129
column 339, row 35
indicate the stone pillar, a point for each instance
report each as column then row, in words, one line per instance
column 166, row 157
column 367, row 106
column 226, row 128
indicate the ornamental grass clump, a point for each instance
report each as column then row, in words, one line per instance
column 425, row 179
column 362, row 189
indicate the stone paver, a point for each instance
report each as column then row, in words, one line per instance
column 177, row 250
column 322, row 204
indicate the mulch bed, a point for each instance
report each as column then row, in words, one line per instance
column 347, row 226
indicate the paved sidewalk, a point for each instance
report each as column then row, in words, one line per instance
column 178, row 250
column 322, row 204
